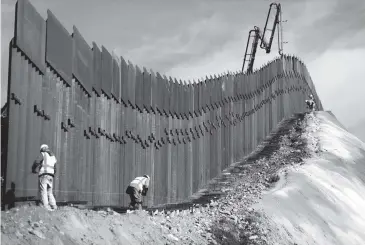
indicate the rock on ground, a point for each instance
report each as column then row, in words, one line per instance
column 227, row 220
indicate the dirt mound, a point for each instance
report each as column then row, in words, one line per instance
column 226, row 220
column 322, row 201
column 67, row 225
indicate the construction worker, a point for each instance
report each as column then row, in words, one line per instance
column 45, row 166
column 136, row 189
column 311, row 105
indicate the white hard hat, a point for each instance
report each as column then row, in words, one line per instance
column 146, row 176
column 44, row 146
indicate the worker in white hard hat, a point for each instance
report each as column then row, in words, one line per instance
column 45, row 166
column 136, row 189
column 311, row 105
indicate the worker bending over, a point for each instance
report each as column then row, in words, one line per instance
column 136, row 189
column 311, row 105
column 45, row 166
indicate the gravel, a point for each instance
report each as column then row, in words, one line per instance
column 229, row 219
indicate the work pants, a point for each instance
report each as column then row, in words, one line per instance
column 46, row 191
column 135, row 196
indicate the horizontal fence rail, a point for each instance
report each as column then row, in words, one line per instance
column 108, row 120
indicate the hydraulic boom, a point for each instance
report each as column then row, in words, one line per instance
column 256, row 35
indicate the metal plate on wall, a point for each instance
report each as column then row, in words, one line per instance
column 59, row 48
column 96, row 69
column 106, row 72
column 82, row 61
column 116, row 80
column 30, row 34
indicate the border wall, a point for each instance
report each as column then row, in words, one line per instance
column 108, row 120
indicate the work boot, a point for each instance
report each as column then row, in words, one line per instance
column 139, row 206
column 47, row 207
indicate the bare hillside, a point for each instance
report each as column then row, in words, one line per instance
column 246, row 211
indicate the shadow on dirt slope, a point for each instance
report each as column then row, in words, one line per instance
column 303, row 185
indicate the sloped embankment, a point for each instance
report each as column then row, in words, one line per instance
column 256, row 200
column 323, row 201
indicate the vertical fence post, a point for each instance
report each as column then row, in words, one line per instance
column 108, row 121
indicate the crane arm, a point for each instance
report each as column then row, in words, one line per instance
column 264, row 45
column 258, row 35
column 250, row 57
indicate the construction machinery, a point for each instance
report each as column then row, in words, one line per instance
column 255, row 35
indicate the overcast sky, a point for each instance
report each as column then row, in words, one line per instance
column 190, row 39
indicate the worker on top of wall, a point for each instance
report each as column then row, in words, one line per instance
column 311, row 105
column 136, row 189
column 45, row 166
